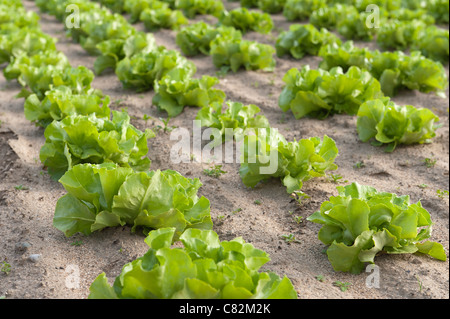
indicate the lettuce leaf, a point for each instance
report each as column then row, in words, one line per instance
column 361, row 222
column 204, row 268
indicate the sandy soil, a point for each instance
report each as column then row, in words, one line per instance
column 26, row 212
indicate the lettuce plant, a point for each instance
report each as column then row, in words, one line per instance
column 439, row 9
column 136, row 7
column 106, row 27
column 58, row 8
column 249, row 3
column 301, row 40
column 24, row 41
column 93, row 17
column 177, row 90
column 114, row 50
column 140, row 71
column 391, row 124
column 12, row 14
column 361, row 222
column 301, row 9
column 345, row 56
column 204, row 268
column 239, row 117
column 237, row 53
column 107, row 195
column 51, row 60
column 245, row 20
column 397, row 70
column 164, row 18
column 41, row 78
column 61, row 102
column 319, row 93
column 329, row 16
column 267, row 154
column 89, row 139
column 388, row 5
column 192, row 8
column 405, row 14
column 116, row 6
column 271, row 6
column 400, row 35
column 353, row 26
column 196, row 38
column 433, row 43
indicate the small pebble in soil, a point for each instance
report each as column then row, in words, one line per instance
column 22, row 246
column 34, row 257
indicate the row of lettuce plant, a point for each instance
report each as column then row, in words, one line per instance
column 232, row 52
column 319, row 94
column 430, row 41
column 433, row 10
column 189, row 8
column 137, row 60
column 142, row 65
column 399, row 27
column 240, row 18
column 394, row 70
